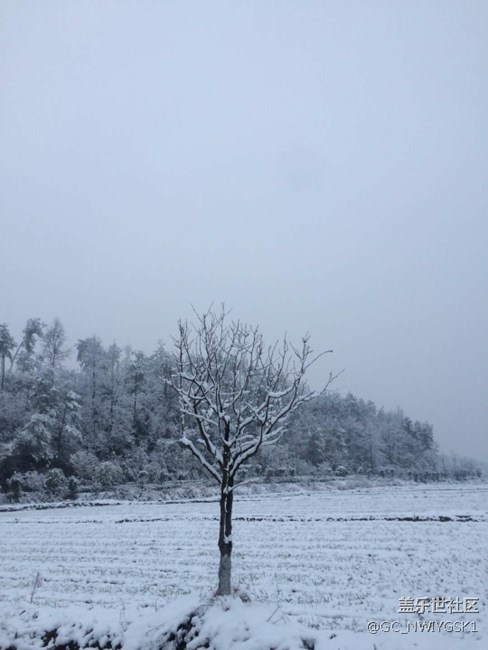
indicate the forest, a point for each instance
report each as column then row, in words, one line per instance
column 94, row 417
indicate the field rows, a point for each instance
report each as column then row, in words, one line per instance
column 335, row 574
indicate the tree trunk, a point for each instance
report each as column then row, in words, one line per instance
column 225, row 537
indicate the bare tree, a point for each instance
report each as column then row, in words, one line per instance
column 237, row 394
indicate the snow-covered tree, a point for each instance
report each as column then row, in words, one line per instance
column 91, row 357
column 235, row 397
column 34, row 442
column 7, row 344
column 54, row 344
column 52, row 432
column 24, row 354
column 135, row 380
column 67, row 433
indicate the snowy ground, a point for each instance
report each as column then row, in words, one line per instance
column 333, row 560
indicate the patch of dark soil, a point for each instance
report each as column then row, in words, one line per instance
column 49, row 640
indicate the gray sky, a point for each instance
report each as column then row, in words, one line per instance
column 319, row 166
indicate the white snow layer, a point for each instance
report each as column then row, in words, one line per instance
column 322, row 565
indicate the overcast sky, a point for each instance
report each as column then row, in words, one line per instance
column 319, row 166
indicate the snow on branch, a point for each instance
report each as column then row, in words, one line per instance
column 237, row 392
column 186, row 442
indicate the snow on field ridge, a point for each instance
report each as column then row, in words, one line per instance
column 186, row 624
column 323, row 562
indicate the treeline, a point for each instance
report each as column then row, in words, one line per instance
column 112, row 418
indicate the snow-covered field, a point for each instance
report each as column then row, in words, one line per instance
column 330, row 559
